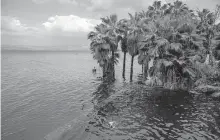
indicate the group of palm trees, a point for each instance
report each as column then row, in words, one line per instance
column 169, row 40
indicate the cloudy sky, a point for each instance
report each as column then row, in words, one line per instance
column 66, row 22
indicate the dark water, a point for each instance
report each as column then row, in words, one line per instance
column 55, row 96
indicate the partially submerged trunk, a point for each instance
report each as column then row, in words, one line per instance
column 150, row 64
column 108, row 72
column 124, row 61
column 113, row 65
column 207, row 59
column 131, row 73
column 142, row 66
column 149, row 80
column 145, row 68
column 145, row 72
column 104, row 71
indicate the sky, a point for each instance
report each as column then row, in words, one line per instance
column 66, row 22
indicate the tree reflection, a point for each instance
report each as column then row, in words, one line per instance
column 138, row 112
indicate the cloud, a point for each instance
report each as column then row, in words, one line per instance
column 40, row 1
column 70, row 23
column 123, row 12
column 99, row 5
column 11, row 25
column 74, row 2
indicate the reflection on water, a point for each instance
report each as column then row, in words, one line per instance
column 135, row 111
column 56, row 97
column 143, row 113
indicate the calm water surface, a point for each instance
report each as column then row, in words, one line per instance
column 55, row 96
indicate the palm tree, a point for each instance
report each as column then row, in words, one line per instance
column 122, row 39
column 170, row 43
column 169, row 39
column 111, row 34
column 158, row 10
column 100, row 47
column 207, row 29
column 133, row 50
column 132, row 39
column 155, row 10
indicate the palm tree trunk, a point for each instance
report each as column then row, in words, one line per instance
column 145, row 69
column 209, row 50
column 113, row 64
column 210, row 61
column 103, row 72
column 142, row 68
column 123, row 73
column 207, row 59
column 131, row 73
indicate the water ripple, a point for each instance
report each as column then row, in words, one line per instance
column 56, row 97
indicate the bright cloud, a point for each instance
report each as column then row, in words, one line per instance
column 12, row 25
column 70, row 23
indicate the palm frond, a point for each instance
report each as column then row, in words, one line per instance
column 167, row 63
column 91, row 35
column 131, row 16
column 176, row 49
column 189, row 72
column 113, row 19
column 157, row 4
column 105, row 20
column 132, row 45
column 178, row 4
column 141, row 58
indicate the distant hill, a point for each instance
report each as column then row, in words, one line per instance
column 41, row 48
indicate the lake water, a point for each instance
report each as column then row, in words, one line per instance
column 55, row 96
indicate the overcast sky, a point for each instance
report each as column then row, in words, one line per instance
column 66, row 22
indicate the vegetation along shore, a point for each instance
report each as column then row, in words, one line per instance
column 178, row 48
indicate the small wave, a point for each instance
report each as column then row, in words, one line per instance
column 70, row 131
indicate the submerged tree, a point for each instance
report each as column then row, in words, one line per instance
column 111, row 35
column 171, row 41
column 207, row 28
column 134, row 31
column 122, row 39
column 100, row 47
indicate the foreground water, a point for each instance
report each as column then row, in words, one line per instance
column 55, row 96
